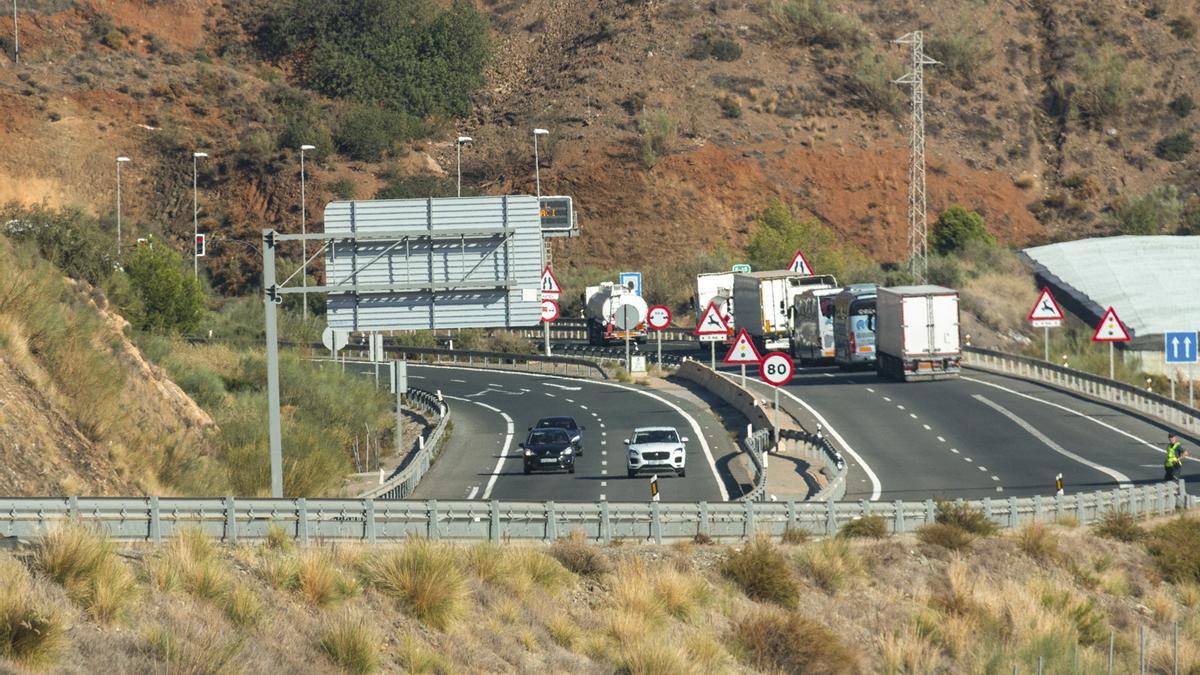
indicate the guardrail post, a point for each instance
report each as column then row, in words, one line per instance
column 1058, row 507
column 899, row 525
column 1013, row 517
column 606, row 523
column 1180, row 495
column 73, row 507
column 155, row 524
column 702, row 527
column 1037, row 507
column 230, row 521
column 1133, row 496
column 831, row 526
column 791, row 514
column 302, row 521
column 749, row 524
column 369, row 523
column 551, row 522
column 930, row 515
column 656, row 522
column 432, row 530
column 494, row 521
column 1079, row 514
column 987, row 508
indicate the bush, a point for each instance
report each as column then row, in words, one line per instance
column 866, row 527
column 657, row 131
column 580, row 557
column 419, row 187
column 1181, row 106
column 1175, row 147
column 795, row 535
column 85, row 564
column 964, row 517
column 69, row 239
column 171, row 300
column 947, row 536
column 424, row 578
column 871, row 83
column 956, row 227
column 830, row 563
column 1119, row 525
column 33, row 632
column 731, row 106
column 814, row 22
column 1175, row 547
column 418, row 56
column 710, row 44
column 762, row 573
column 778, row 233
column 352, row 642
column 1183, row 28
column 1151, row 213
column 1039, row 542
column 366, row 132
column 1102, row 91
column 777, row 641
column 960, row 53
column 343, row 188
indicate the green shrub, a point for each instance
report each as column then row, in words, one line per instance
column 777, row 641
column 955, row 227
column 69, row 239
column 33, row 632
column 352, row 642
column 947, row 536
column 1102, row 91
column 1175, row 548
column 965, row 517
column 343, row 188
column 1181, row 106
column 1119, row 525
column 580, row 557
column 762, row 573
column 866, row 527
column 714, row 45
column 778, row 233
column 1184, row 28
column 366, row 132
column 658, row 133
column 114, row 39
column 171, row 299
column 731, row 106
column 424, row 578
column 1151, row 213
column 960, row 53
column 1175, row 147
column 814, row 22
column 871, row 83
column 420, row 187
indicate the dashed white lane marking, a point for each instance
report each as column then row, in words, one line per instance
column 562, row 386
column 416, row 377
column 996, row 478
column 603, row 483
column 595, row 415
column 603, row 452
column 983, row 468
column 568, row 400
column 999, row 489
column 458, row 381
column 602, row 497
column 870, row 390
column 887, row 398
column 583, row 407
column 604, row 462
column 508, row 436
column 1121, row 478
column 912, row 415
column 941, row 439
column 549, row 394
column 900, row 406
column 493, row 384
column 968, row 459
column 603, row 433
column 602, row 426
column 474, row 491
column 954, row 450
column 603, row 472
column 927, row 428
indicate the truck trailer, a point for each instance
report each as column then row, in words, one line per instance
column 763, row 304
column 717, row 288
column 604, row 305
column 917, row 333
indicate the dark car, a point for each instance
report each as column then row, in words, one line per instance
column 550, row 449
column 568, row 425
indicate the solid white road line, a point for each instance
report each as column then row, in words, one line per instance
column 1121, row 478
column 1085, row 416
column 474, row 491
column 487, row 491
column 562, row 386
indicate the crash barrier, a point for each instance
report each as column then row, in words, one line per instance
column 573, row 328
column 232, row 520
column 834, row 463
column 615, row 355
column 550, row 365
column 1174, row 413
column 408, row 475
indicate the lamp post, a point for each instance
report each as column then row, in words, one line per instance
column 196, row 156
column 120, row 160
column 304, row 231
column 16, row 37
column 462, row 140
column 537, row 171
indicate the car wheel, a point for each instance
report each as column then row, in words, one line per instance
column 632, row 473
column 683, row 473
column 571, row 469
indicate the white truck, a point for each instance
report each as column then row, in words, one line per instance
column 916, row 333
column 715, row 287
column 763, row 304
column 605, row 305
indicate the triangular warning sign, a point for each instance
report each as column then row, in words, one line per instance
column 1046, row 312
column 712, row 323
column 800, row 264
column 550, row 287
column 1111, row 329
column 743, row 350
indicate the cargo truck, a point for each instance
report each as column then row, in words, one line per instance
column 812, row 325
column 717, row 288
column 603, row 306
column 762, row 304
column 917, row 333
column 854, row 326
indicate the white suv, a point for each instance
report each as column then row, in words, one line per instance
column 657, row 449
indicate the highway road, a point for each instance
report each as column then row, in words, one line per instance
column 492, row 410
column 979, row 436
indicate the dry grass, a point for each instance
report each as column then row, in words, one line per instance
column 281, row 572
column 415, row 658
column 965, row 518
column 907, row 651
column 947, row 536
column 1119, row 525
column 279, row 539
column 866, row 527
column 85, row 564
column 424, row 578
column 243, row 606
column 33, row 630
column 321, row 582
column 564, row 631
column 830, row 563
column 352, row 642
column 196, row 642
column 652, row 658
column 794, row 536
column 1175, row 547
column 763, row 573
column 577, row 555
column 778, row 640
column 1039, row 542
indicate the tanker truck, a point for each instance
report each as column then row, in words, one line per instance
column 606, row 306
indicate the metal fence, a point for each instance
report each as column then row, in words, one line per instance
column 368, row 520
column 405, row 478
column 754, row 446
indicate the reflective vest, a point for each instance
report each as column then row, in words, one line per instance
column 1172, row 456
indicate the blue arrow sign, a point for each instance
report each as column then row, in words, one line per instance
column 1180, row 347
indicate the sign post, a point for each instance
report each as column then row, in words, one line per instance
column 742, row 352
column 627, row 319
column 1181, row 347
column 658, row 317
column 712, row 328
column 1046, row 314
column 1111, row 330
column 400, row 387
column 550, row 292
column 776, row 369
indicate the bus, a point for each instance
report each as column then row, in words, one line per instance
column 812, row 325
column 854, row 326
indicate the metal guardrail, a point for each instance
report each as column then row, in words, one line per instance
column 1180, row 415
column 367, row 520
column 836, row 464
column 565, row 365
column 404, row 479
column 754, row 446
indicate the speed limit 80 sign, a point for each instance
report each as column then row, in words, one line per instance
column 776, row 369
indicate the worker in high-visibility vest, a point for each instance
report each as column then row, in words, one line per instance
column 1175, row 454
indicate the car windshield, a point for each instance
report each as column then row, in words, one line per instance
column 656, row 436
column 556, row 423
column 549, row 436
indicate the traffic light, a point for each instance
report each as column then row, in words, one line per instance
column 200, row 246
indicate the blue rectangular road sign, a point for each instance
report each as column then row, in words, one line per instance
column 1180, row 347
column 632, row 281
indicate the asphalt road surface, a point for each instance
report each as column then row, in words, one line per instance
column 492, row 410
column 982, row 435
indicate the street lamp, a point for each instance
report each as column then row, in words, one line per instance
column 120, row 161
column 462, row 140
column 303, row 231
column 196, row 156
column 537, row 172
column 16, row 37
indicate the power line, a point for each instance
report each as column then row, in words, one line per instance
column 918, row 231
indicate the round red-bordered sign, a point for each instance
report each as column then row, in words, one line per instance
column 658, row 317
column 549, row 310
column 776, row 369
